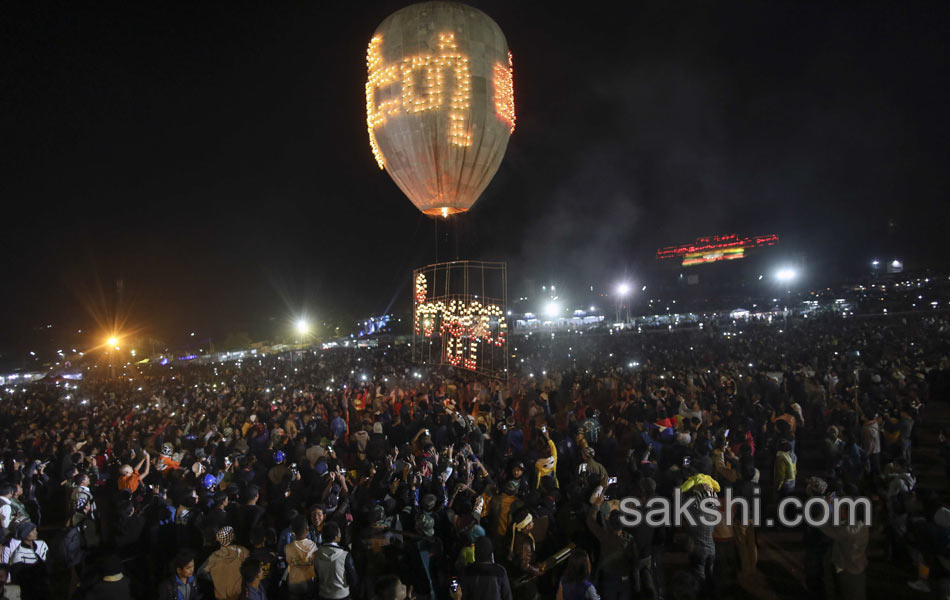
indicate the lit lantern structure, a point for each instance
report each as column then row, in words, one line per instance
column 459, row 317
column 439, row 103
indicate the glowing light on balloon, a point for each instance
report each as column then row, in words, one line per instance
column 439, row 103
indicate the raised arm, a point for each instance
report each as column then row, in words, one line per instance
column 148, row 465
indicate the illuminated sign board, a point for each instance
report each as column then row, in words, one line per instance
column 466, row 324
column 716, row 248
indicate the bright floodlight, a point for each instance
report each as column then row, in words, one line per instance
column 786, row 274
column 875, row 262
column 552, row 309
column 112, row 341
column 302, row 326
column 896, row 263
column 623, row 289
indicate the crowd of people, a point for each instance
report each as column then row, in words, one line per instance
column 353, row 473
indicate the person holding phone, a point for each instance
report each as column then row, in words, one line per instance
column 547, row 466
column 130, row 479
column 618, row 550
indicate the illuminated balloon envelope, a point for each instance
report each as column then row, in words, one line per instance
column 439, row 103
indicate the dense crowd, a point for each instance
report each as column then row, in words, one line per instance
column 353, row 473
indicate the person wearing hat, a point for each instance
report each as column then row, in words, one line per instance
column 590, row 469
column 483, row 578
column 424, row 552
column 360, row 438
column 223, row 567
column 378, row 445
column 113, row 585
column 280, row 472
column 467, row 554
column 517, row 472
column 169, row 458
column 27, row 559
column 522, row 552
column 591, row 427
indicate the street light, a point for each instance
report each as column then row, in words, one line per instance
column 623, row 289
column 787, row 275
column 302, row 326
column 112, row 343
column 552, row 309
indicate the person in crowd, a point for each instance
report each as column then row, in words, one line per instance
column 388, row 486
column 575, row 583
column 131, row 478
column 485, row 579
column 299, row 554
column 849, row 554
column 223, row 567
column 6, row 506
column 181, row 584
column 785, row 470
column 336, row 571
column 618, row 551
column 262, row 550
column 113, row 585
column 252, row 576
column 523, row 554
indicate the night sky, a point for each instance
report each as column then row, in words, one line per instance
column 214, row 156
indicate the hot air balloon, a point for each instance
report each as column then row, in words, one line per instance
column 439, row 103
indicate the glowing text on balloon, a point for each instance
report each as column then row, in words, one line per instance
column 422, row 79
